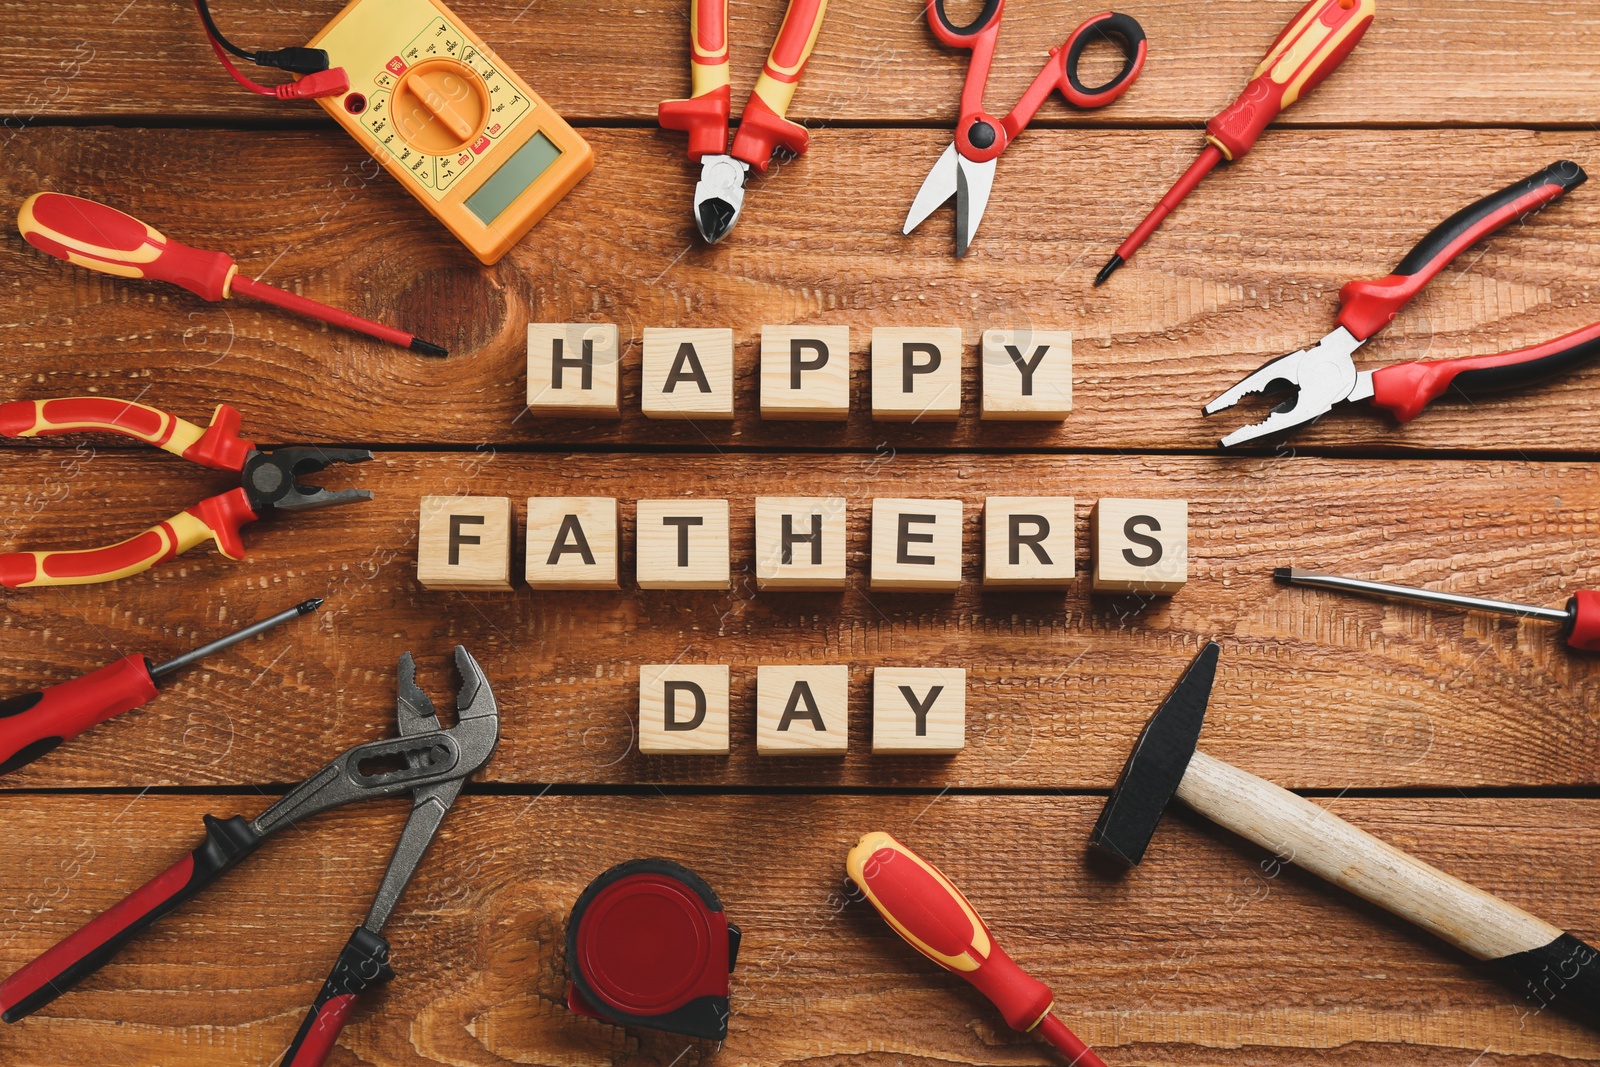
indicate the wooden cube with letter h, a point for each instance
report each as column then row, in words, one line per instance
column 572, row 542
column 573, row 370
column 800, row 542
column 805, row 373
column 464, row 543
column 803, row 710
column 1140, row 546
column 683, row 709
column 1027, row 542
column 919, row 711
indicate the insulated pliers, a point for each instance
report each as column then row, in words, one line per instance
column 270, row 481
column 432, row 763
column 1322, row 377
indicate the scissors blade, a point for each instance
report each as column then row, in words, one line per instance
column 973, row 182
column 937, row 187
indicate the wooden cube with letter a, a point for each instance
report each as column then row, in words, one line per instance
column 682, row 544
column 800, row 542
column 802, row 711
column 1027, row 375
column 687, row 374
column 916, row 545
column 683, row 709
column 1140, row 546
column 573, row 370
column 916, row 374
column 919, row 711
column 1027, row 542
column 464, row 542
column 572, row 542
column 805, row 373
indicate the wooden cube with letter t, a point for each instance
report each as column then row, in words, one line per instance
column 464, row 542
column 573, row 370
column 916, row 374
column 802, row 710
column 805, row 373
column 916, row 545
column 1140, row 546
column 572, row 542
column 919, row 711
column 1027, row 375
column 800, row 542
column 682, row 544
column 1027, row 542
column 688, row 374
column 683, row 709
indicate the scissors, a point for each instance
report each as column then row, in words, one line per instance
column 966, row 169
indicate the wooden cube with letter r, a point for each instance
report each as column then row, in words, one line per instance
column 464, row 543
column 919, row 711
column 1140, row 546
column 1027, row 542
column 683, row 709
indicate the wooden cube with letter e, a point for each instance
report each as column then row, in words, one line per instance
column 464, row 543
column 682, row 544
column 687, row 374
column 805, row 373
column 572, row 542
column 916, row 374
column 803, row 710
column 919, row 711
column 1140, row 546
column 1027, row 375
column 916, row 545
column 683, row 709
column 573, row 370
column 1027, row 542
column 800, row 542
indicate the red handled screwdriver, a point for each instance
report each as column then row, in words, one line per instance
column 1308, row 50
column 923, row 907
column 102, row 238
column 33, row 724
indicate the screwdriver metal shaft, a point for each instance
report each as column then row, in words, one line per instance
column 305, row 607
column 1295, row 576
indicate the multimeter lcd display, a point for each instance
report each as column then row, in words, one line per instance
column 515, row 174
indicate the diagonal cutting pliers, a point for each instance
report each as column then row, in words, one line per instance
column 436, row 761
column 966, row 169
column 270, row 481
column 1320, row 378
column 719, row 196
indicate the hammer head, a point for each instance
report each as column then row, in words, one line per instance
column 1157, row 763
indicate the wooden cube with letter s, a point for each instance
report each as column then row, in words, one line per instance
column 1140, row 546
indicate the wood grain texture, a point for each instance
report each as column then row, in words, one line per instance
column 1234, row 279
column 1315, row 689
column 1180, row 962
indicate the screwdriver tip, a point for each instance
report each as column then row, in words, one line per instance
column 428, row 348
column 306, row 607
column 1108, row 270
column 1284, row 575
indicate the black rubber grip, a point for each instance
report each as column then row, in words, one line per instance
column 1529, row 371
column 1123, row 31
column 991, row 8
column 1563, row 974
column 362, row 964
column 1564, row 176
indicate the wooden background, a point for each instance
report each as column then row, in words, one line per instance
column 1471, row 741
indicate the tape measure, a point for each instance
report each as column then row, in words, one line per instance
column 466, row 136
column 648, row 945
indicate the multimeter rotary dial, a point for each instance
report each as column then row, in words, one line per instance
column 440, row 106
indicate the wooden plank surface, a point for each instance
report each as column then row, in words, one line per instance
column 1181, row 961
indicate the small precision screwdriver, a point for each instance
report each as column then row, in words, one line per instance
column 101, row 238
column 33, row 724
column 1308, row 50
column 931, row 914
column 1579, row 620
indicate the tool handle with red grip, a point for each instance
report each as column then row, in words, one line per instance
column 762, row 125
column 1310, row 48
column 704, row 114
column 227, row 842
column 218, row 445
column 1406, row 388
column 362, row 963
column 33, row 724
column 102, row 238
column 1369, row 306
column 1583, row 628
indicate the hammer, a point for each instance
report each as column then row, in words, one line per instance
column 1552, row 967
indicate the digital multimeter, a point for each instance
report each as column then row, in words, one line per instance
column 454, row 124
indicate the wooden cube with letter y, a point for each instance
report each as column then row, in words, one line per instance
column 1027, row 375
column 683, row 709
column 1140, row 546
column 919, row 711
column 464, row 543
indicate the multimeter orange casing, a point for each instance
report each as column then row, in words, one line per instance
column 439, row 110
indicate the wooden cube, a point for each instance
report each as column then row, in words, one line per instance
column 464, row 542
column 1027, row 542
column 688, row 374
column 800, row 542
column 1027, row 375
column 805, row 373
column 803, row 711
column 916, row 374
column 573, row 370
column 682, row 544
column 683, row 709
column 572, row 542
column 916, row 545
column 919, row 711
column 1140, row 546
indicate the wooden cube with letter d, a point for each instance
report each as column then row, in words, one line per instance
column 683, row 709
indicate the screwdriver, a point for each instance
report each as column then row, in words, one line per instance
column 923, row 907
column 1308, row 50
column 33, row 724
column 102, row 238
column 1579, row 621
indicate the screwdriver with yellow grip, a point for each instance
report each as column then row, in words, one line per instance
column 101, row 238
column 926, row 909
column 1310, row 48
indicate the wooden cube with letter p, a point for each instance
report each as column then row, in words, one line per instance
column 916, row 545
column 803, row 711
column 682, row 544
column 800, row 542
column 683, row 709
column 572, row 542
column 573, row 370
column 805, row 373
column 919, row 711
column 1140, row 546
column 1027, row 375
column 916, row 374
column 1027, row 542
column 687, row 374
column 464, row 543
